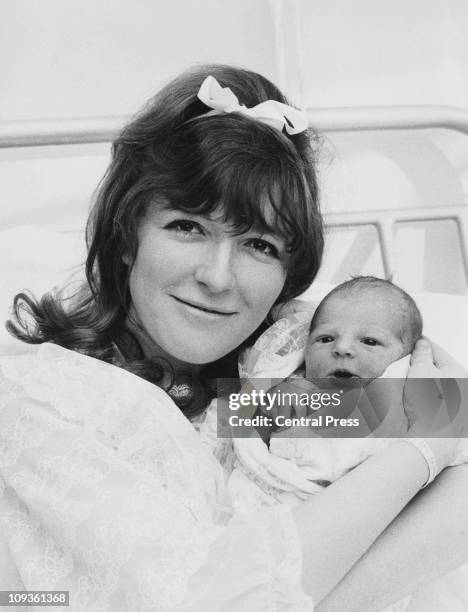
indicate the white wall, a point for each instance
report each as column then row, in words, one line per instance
column 66, row 58
column 380, row 53
column 81, row 58
column 72, row 58
column 377, row 52
column 62, row 58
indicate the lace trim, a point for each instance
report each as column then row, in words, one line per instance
column 69, row 450
column 279, row 351
column 107, row 492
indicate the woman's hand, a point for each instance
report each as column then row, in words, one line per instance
column 441, row 411
column 431, row 361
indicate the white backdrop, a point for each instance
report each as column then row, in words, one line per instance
column 79, row 58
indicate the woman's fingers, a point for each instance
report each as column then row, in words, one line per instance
column 429, row 360
column 436, row 407
column 447, row 366
column 422, row 352
column 441, row 357
column 422, row 360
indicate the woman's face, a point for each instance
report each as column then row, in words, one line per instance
column 198, row 290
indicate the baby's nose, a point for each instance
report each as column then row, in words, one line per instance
column 344, row 347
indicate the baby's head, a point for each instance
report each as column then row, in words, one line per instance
column 360, row 328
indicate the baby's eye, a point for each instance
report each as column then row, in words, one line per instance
column 264, row 247
column 325, row 339
column 185, row 227
column 370, row 341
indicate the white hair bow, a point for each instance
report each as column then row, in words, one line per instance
column 273, row 113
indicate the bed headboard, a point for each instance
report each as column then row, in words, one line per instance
column 370, row 228
column 371, row 232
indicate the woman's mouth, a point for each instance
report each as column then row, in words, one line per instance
column 205, row 307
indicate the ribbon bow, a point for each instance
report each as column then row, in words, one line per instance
column 273, row 113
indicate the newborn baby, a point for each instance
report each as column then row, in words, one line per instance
column 358, row 330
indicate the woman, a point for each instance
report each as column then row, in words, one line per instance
column 206, row 219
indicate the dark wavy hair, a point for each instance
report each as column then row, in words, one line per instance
column 173, row 150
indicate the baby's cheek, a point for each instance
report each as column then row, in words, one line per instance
column 397, row 353
column 379, row 361
column 313, row 361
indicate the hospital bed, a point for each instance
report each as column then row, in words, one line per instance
column 48, row 170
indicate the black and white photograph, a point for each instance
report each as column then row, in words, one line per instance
column 234, row 305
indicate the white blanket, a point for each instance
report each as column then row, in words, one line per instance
column 292, row 468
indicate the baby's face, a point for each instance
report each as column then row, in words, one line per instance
column 355, row 336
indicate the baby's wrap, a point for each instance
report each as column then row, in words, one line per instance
column 293, row 468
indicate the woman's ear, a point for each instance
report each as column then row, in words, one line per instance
column 126, row 259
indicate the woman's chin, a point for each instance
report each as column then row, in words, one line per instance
column 197, row 355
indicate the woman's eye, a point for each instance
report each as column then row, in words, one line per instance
column 325, row 339
column 370, row 341
column 185, row 226
column 264, row 247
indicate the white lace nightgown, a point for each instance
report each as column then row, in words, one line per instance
column 107, row 491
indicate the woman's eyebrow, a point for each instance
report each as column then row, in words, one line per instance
column 266, row 231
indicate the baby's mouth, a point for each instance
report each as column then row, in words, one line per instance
column 342, row 374
column 339, row 378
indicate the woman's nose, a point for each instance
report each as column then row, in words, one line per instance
column 343, row 347
column 215, row 270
